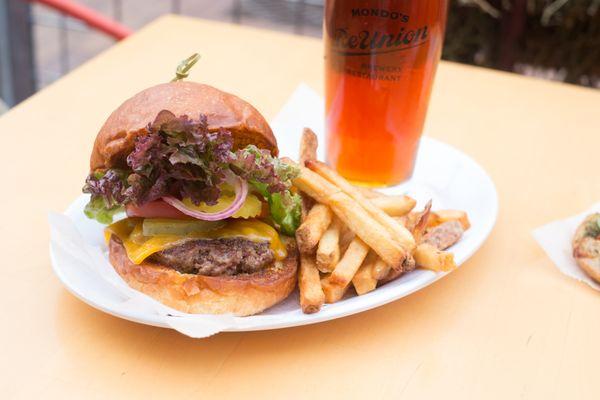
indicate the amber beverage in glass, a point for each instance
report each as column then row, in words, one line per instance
column 380, row 60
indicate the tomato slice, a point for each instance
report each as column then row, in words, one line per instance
column 155, row 209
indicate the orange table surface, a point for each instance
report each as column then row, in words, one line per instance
column 505, row 325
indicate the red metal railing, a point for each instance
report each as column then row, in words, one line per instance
column 89, row 16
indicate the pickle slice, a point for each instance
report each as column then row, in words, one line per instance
column 137, row 235
column 165, row 226
column 252, row 207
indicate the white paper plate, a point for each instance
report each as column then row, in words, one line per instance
column 444, row 174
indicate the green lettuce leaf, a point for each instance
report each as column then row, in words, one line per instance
column 284, row 207
column 97, row 209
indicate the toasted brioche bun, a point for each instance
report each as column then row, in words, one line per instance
column 223, row 110
column 244, row 294
column 586, row 250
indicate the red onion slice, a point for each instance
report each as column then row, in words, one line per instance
column 241, row 191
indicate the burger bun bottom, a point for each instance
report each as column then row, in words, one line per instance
column 241, row 295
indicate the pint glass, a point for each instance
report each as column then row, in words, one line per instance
column 380, row 60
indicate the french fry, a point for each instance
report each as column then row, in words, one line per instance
column 380, row 269
column 332, row 292
column 428, row 257
column 351, row 214
column 408, row 265
column 392, row 274
column 441, row 216
column 308, row 151
column 313, row 184
column 351, row 260
column 367, row 229
column 309, row 283
column 305, row 205
column 410, row 220
column 364, row 280
column 328, row 250
column 379, row 237
column 310, row 231
column 308, row 146
column 369, row 193
column 346, row 236
column 398, row 232
column 395, row 206
column 421, row 222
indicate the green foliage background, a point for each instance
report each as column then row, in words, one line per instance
column 560, row 38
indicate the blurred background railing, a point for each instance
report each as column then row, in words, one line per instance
column 555, row 39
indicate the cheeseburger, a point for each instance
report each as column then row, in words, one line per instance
column 208, row 206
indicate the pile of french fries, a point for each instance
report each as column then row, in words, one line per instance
column 358, row 237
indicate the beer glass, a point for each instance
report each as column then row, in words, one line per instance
column 380, row 60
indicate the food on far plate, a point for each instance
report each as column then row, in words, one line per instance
column 210, row 210
column 586, row 246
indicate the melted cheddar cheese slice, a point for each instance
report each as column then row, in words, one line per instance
column 140, row 247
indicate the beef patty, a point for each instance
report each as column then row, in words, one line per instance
column 214, row 257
